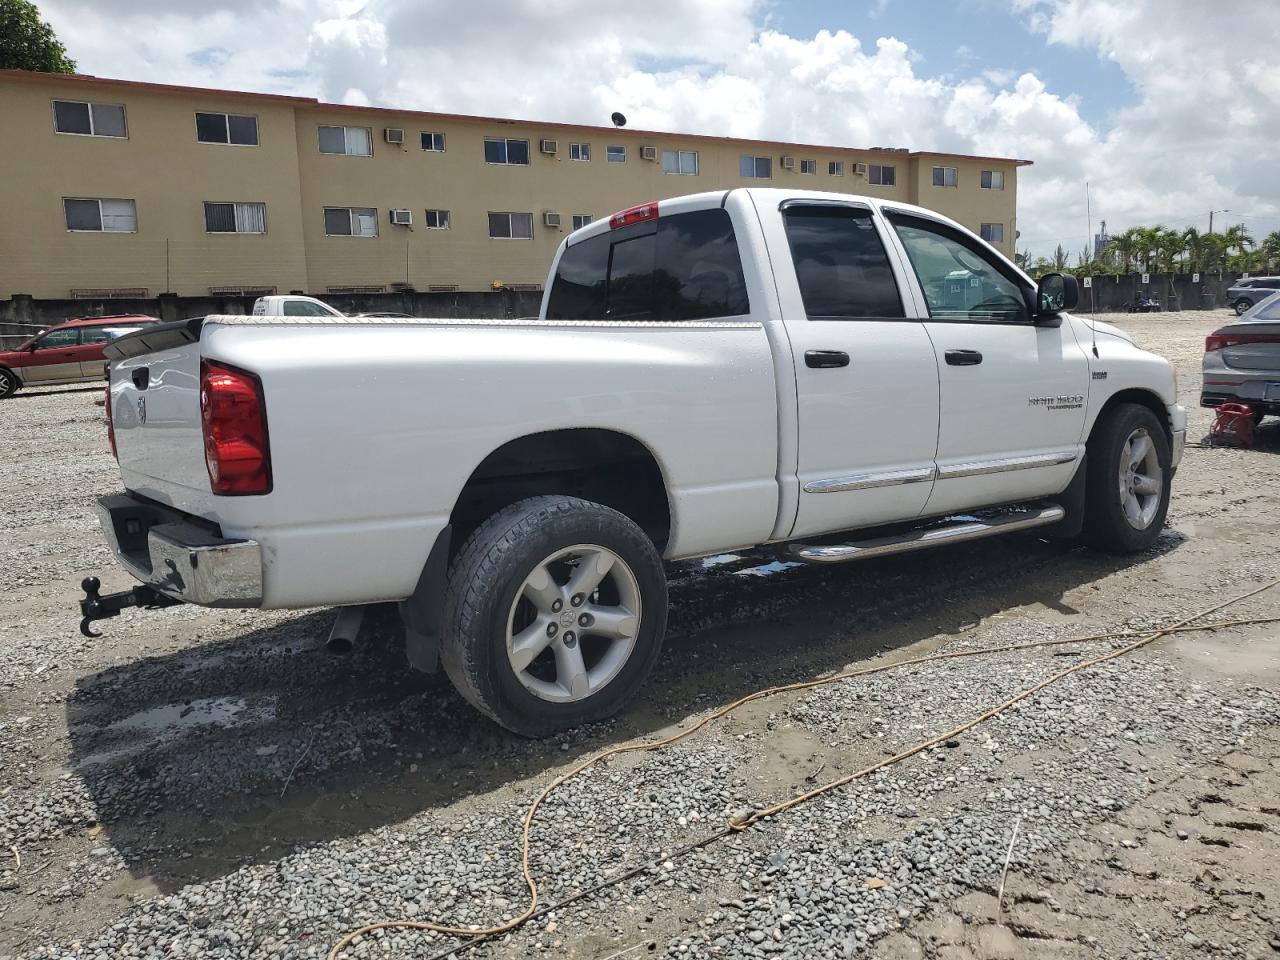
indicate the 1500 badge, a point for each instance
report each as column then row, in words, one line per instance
column 1057, row 403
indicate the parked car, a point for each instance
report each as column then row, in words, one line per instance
column 1243, row 294
column 1242, row 360
column 293, row 305
column 69, row 352
column 782, row 367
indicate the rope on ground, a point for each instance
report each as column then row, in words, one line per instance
column 742, row 821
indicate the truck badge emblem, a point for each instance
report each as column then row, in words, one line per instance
column 142, row 409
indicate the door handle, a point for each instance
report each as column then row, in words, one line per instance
column 963, row 358
column 825, row 359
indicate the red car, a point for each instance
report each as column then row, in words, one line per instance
column 70, row 352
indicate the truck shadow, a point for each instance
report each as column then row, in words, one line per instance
column 236, row 751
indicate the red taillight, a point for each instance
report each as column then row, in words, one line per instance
column 111, row 427
column 234, row 417
column 1220, row 341
column 646, row 211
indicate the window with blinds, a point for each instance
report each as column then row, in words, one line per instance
column 235, row 217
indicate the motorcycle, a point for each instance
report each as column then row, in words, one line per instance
column 1144, row 303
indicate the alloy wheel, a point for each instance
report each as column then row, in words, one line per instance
column 1141, row 479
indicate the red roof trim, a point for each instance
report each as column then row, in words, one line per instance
column 317, row 105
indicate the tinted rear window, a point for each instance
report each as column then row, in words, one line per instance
column 683, row 267
column 841, row 264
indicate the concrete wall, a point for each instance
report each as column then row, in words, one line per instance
column 22, row 316
column 1174, row 291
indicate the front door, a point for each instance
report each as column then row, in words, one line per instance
column 56, row 358
column 866, row 377
column 1012, row 391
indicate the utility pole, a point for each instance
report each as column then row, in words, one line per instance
column 1211, row 213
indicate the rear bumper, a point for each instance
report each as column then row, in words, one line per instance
column 180, row 556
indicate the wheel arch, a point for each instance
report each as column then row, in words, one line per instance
column 1141, row 396
column 603, row 465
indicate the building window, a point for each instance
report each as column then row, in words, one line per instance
column 235, row 217
column 755, row 167
column 680, row 161
column 433, row 142
column 101, row 216
column 580, row 220
column 944, row 176
column 836, row 168
column 351, row 141
column 511, row 226
column 888, row 176
column 615, row 154
column 227, row 128
column 350, row 222
column 993, row 232
column 510, row 152
column 579, row 151
column 437, row 219
column 992, row 180
column 809, row 166
column 89, row 119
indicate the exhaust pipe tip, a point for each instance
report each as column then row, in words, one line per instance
column 345, row 630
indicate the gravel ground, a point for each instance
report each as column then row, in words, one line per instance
column 215, row 784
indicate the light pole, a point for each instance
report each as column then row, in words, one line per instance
column 1211, row 213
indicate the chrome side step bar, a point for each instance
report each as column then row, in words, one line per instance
column 954, row 529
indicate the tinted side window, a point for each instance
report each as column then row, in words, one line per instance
column 67, row 337
column 841, row 264
column 687, row 267
column 959, row 282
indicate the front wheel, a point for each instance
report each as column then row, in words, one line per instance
column 8, row 383
column 1242, row 306
column 1128, row 482
column 554, row 614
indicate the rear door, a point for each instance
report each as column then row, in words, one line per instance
column 56, row 358
column 1012, row 392
column 866, row 376
column 92, row 364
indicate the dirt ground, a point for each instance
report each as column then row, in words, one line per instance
column 189, row 748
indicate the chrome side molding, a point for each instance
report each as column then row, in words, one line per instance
column 865, row 481
column 957, row 529
column 977, row 468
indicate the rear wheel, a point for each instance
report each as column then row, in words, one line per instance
column 1241, row 306
column 8, row 383
column 554, row 614
column 1128, row 481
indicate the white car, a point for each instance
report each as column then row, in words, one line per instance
column 293, row 305
column 838, row 376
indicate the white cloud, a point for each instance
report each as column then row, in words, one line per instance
column 1208, row 97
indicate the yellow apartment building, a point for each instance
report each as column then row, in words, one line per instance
column 131, row 189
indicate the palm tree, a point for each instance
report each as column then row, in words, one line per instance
column 1059, row 259
column 1269, row 250
column 1124, row 248
column 1193, row 243
column 1148, row 245
column 1238, row 238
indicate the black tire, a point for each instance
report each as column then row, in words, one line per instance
column 1106, row 525
column 484, row 581
column 8, row 383
column 1241, row 306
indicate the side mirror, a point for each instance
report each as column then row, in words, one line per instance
column 1056, row 292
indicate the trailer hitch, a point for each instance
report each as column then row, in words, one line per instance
column 94, row 606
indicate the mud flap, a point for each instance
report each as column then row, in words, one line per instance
column 1072, row 501
column 421, row 612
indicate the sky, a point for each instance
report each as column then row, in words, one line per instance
column 1166, row 108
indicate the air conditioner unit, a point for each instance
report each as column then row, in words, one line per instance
column 788, row 163
column 550, row 219
column 393, row 135
column 648, row 153
column 860, row 169
column 548, row 146
column 402, row 218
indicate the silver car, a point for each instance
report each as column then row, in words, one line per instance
column 1243, row 294
column 1242, row 360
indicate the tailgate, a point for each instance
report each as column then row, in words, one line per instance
column 155, row 409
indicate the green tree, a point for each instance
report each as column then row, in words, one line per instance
column 1238, row 238
column 1123, row 247
column 1269, row 250
column 28, row 43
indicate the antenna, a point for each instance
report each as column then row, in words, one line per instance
column 618, row 119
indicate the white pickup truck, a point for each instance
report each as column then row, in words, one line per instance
column 838, row 376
